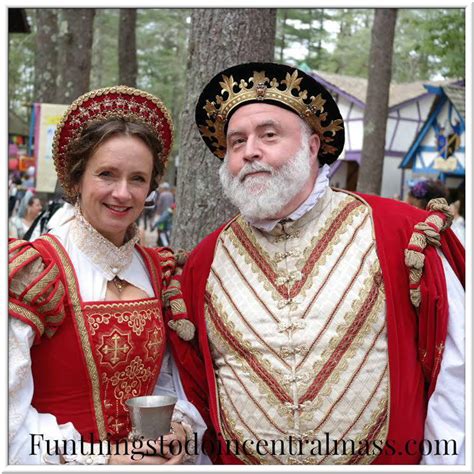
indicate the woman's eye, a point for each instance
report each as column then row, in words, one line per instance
column 105, row 174
column 140, row 179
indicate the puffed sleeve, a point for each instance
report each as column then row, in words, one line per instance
column 36, row 308
column 35, row 290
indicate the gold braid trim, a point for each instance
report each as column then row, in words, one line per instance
column 174, row 302
column 426, row 233
column 441, row 205
column 184, row 327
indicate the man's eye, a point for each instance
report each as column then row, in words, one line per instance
column 237, row 141
column 270, row 134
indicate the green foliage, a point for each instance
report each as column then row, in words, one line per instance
column 162, row 36
column 352, row 45
column 428, row 43
column 303, row 28
column 21, row 60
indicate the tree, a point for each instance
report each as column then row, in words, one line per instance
column 76, row 33
column 352, row 42
column 376, row 109
column 219, row 39
column 46, row 55
column 104, row 68
column 127, row 49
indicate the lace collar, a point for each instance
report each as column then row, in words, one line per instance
column 111, row 260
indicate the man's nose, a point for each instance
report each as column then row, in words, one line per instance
column 252, row 149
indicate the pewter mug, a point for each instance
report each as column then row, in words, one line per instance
column 151, row 415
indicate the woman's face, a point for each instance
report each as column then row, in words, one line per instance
column 35, row 208
column 115, row 184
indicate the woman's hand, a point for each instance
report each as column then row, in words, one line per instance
column 174, row 444
column 169, row 449
column 132, row 452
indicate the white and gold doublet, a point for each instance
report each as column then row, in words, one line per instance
column 296, row 324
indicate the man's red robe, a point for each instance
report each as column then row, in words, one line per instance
column 415, row 337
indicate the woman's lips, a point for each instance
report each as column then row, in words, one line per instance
column 117, row 210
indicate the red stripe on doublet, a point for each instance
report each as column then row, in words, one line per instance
column 251, row 360
column 344, row 344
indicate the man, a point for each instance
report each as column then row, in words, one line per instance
column 320, row 315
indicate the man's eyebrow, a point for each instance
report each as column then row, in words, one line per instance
column 269, row 123
column 234, row 132
column 265, row 123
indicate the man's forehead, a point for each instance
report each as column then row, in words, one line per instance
column 261, row 114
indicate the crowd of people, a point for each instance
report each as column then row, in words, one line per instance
column 303, row 324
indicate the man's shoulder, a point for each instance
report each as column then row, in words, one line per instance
column 204, row 250
column 392, row 210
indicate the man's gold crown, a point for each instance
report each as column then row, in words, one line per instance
column 260, row 88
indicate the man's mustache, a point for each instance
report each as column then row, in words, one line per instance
column 254, row 167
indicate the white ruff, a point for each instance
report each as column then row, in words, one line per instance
column 103, row 253
column 262, row 197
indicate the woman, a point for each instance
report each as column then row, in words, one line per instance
column 20, row 224
column 86, row 312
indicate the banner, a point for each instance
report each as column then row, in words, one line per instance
column 47, row 116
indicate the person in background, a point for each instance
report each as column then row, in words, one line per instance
column 20, row 224
column 329, row 324
column 29, row 179
column 87, row 302
column 165, row 199
column 164, row 226
column 424, row 190
column 459, row 225
column 13, row 184
column 149, row 211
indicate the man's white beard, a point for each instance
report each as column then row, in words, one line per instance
column 264, row 196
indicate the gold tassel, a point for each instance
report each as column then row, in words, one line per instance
column 184, row 327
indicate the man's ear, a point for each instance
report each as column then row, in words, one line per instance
column 314, row 144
